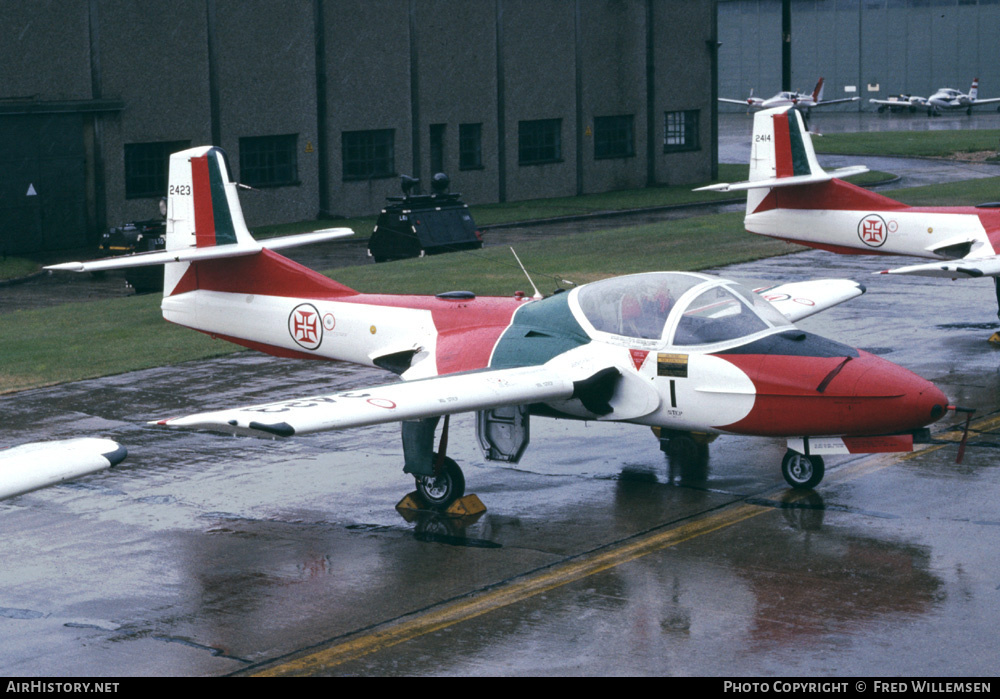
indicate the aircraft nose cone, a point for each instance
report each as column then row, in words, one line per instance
column 906, row 401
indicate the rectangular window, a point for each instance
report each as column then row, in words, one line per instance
column 437, row 148
column 369, row 154
column 539, row 141
column 613, row 137
column 680, row 131
column 470, row 146
column 269, row 161
column 147, row 167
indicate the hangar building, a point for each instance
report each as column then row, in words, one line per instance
column 321, row 104
column 867, row 48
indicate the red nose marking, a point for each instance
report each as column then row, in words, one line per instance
column 867, row 395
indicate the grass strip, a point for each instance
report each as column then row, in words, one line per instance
column 934, row 144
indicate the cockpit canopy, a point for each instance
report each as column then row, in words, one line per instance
column 681, row 308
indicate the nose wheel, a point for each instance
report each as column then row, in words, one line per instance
column 800, row 471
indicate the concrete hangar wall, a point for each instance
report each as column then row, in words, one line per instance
column 321, row 104
column 880, row 47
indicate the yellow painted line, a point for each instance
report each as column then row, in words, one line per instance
column 564, row 573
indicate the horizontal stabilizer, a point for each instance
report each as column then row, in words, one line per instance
column 794, row 181
column 798, row 300
column 159, row 257
column 953, row 269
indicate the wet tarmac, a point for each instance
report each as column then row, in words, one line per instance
column 208, row 555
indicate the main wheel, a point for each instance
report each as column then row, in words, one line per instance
column 443, row 489
column 801, row 471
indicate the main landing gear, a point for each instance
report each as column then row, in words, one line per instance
column 446, row 487
column 800, row 471
column 439, row 480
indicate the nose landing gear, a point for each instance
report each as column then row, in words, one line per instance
column 802, row 472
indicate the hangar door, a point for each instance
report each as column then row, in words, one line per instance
column 42, row 183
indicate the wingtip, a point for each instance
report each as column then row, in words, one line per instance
column 66, row 267
column 116, row 456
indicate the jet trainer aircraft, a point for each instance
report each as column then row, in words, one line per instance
column 684, row 352
column 948, row 98
column 803, row 101
column 28, row 467
column 789, row 196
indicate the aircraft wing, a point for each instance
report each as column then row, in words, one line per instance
column 405, row 400
column 798, row 300
column 743, row 102
column 912, row 102
column 953, row 269
column 990, row 100
column 840, row 100
column 40, row 464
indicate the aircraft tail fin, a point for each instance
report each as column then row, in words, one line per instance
column 205, row 224
column 781, row 155
column 974, row 90
column 817, row 94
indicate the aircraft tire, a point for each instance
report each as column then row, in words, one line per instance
column 445, row 488
column 802, row 472
column 685, row 448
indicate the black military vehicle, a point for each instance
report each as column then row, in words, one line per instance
column 414, row 225
column 138, row 236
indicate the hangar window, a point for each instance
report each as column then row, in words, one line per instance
column 147, row 166
column 368, row 154
column 539, row 141
column 680, row 131
column 269, row 161
column 470, row 146
column 437, row 147
column 614, row 137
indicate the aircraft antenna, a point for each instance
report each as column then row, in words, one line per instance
column 538, row 294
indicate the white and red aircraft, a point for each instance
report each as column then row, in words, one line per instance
column 28, row 467
column 948, row 98
column 789, row 196
column 683, row 352
column 800, row 100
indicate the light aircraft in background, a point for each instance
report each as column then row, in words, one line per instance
column 789, row 196
column 948, row 98
column 38, row 465
column 803, row 101
column 690, row 354
column 901, row 102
